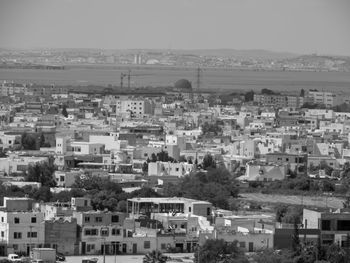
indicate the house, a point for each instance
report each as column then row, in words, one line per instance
column 256, row 171
column 334, row 226
column 145, row 206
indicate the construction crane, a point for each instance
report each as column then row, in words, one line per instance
column 122, row 76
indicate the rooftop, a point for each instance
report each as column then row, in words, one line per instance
column 170, row 200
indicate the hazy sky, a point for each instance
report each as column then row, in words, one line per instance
column 301, row 26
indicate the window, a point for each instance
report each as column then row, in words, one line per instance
column 115, row 232
column 104, row 232
column 16, row 220
column 326, row 225
column 33, row 220
column 98, row 219
column 17, row 235
column 62, row 178
column 208, row 211
column 90, row 247
column 343, row 225
column 2, row 234
column 90, row 232
column 15, row 247
column 147, row 244
column 242, row 244
column 2, row 219
column 87, row 219
column 189, row 209
column 32, row 235
column 115, row 218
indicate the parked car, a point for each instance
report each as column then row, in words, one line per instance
column 14, row 258
column 60, row 257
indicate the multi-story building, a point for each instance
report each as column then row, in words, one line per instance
column 21, row 227
column 136, row 107
column 279, row 101
column 334, row 226
column 329, row 99
column 100, row 231
column 61, row 234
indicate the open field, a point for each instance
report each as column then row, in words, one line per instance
column 317, row 201
column 214, row 79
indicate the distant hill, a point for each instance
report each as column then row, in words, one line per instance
column 253, row 53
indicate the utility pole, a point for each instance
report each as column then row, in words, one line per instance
column 156, row 239
column 104, row 250
column 129, row 77
column 115, row 252
column 198, row 78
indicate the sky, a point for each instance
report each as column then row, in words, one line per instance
column 298, row 26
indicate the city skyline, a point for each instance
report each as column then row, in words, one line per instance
column 301, row 27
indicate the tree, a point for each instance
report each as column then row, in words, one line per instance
column 121, row 206
column 28, row 141
column 218, row 250
column 154, row 257
column 64, row 110
column 249, row 96
column 335, row 254
column 163, row 156
column 153, row 158
column 42, row 173
column 182, row 159
column 216, row 186
column 208, row 161
column 295, row 240
column 145, row 167
column 268, row 92
column 144, row 192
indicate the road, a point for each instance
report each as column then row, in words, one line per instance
column 130, row 258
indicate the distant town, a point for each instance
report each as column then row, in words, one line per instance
column 261, row 175
column 249, row 60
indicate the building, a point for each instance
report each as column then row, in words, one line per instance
column 329, row 99
column 21, row 227
column 61, row 234
column 264, row 172
column 100, row 232
column 146, row 206
column 296, row 163
column 334, row 225
column 279, row 101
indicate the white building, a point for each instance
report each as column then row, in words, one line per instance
column 21, row 228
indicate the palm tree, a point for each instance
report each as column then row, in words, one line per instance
column 154, row 257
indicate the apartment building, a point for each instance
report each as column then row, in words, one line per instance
column 138, row 108
column 21, row 227
column 329, row 99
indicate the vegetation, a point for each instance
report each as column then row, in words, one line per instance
column 218, row 250
column 42, row 173
column 216, row 186
column 211, row 128
column 29, row 141
column 249, row 96
column 64, row 110
column 155, row 257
